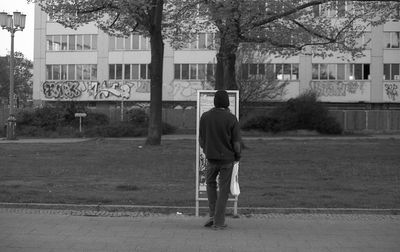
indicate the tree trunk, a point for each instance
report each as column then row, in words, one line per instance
column 230, row 72
column 157, row 56
column 225, row 76
column 226, row 58
column 219, row 74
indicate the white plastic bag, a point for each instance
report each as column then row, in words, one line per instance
column 235, row 189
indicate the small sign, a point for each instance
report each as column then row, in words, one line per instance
column 80, row 114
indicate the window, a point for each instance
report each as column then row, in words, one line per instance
column 127, row 41
column 94, row 42
column 340, row 71
column 56, row 72
column 253, row 69
column 71, row 72
column 391, row 71
column 64, row 72
column 87, row 42
column 86, row 72
column 64, row 43
column 202, row 41
column 201, row 71
column 49, row 42
column 364, row 40
column 185, row 72
column 135, row 71
column 120, row 43
column 79, row 42
column 359, row 72
column 71, row 44
column 143, row 71
column 111, row 43
column 193, row 71
column 144, row 43
column 392, row 39
column 93, row 73
column 323, row 73
column 49, row 72
column 135, row 41
column 79, row 72
column 127, row 71
column 56, row 43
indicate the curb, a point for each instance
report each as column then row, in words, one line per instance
column 143, row 210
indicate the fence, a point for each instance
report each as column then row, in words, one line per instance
column 368, row 120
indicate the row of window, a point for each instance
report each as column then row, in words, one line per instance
column 194, row 71
column 71, row 72
column 84, row 42
column 133, row 42
column 204, row 71
column 129, row 71
column 139, row 42
column 340, row 71
column 88, row 42
column 202, row 41
column 341, row 7
column 278, row 71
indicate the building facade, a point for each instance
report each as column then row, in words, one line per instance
column 87, row 65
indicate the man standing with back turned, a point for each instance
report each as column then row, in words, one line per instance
column 220, row 139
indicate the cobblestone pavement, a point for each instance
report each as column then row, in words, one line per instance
column 59, row 230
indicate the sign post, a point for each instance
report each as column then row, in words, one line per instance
column 205, row 102
column 80, row 115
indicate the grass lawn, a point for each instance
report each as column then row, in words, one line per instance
column 273, row 173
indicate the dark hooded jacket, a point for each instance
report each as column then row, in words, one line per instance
column 219, row 135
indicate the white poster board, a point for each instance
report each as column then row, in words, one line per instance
column 205, row 102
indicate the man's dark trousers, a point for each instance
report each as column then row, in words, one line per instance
column 217, row 202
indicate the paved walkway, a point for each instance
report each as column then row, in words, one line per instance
column 41, row 231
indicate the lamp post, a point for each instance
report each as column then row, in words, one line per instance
column 12, row 24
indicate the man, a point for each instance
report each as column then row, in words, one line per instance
column 219, row 137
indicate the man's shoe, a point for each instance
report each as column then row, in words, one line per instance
column 222, row 227
column 209, row 223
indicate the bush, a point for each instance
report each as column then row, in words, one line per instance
column 94, row 119
column 264, row 123
column 303, row 112
column 137, row 116
column 116, row 130
column 60, row 121
column 48, row 118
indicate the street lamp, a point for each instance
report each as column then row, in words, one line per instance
column 12, row 24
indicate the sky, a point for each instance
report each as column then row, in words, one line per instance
column 23, row 40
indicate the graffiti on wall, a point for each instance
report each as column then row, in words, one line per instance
column 94, row 90
column 391, row 91
column 337, row 88
column 61, row 89
column 186, row 90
